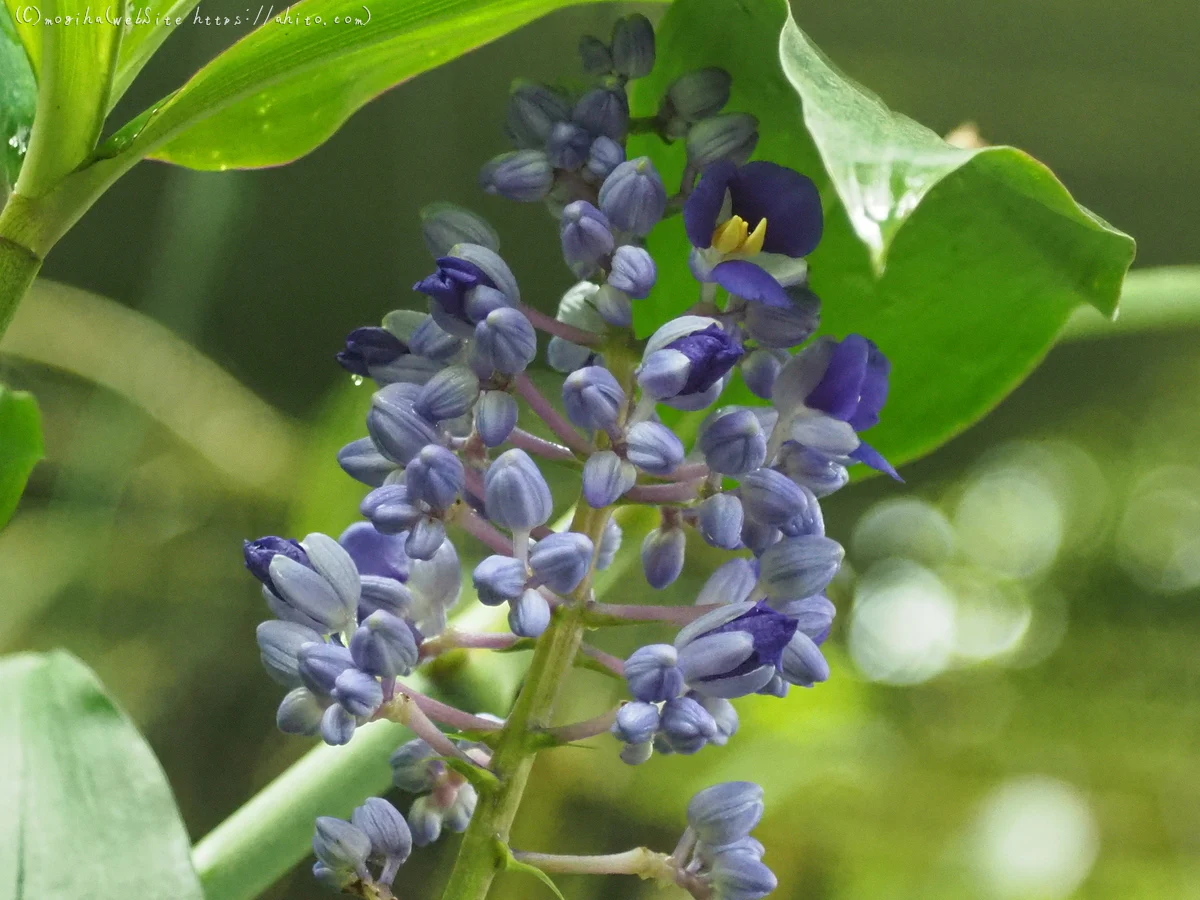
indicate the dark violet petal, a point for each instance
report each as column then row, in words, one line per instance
column 868, row 455
column 702, row 207
column 366, row 347
column 745, row 279
column 771, row 632
column 838, row 391
column 788, row 201
column 874, row 391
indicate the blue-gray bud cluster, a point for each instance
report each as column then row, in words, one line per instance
column 445, row 799
column 376, row 833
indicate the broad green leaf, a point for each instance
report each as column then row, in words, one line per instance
column 20, row 446
column 87, row 809
column 18, row 97
column 963, row 265
column 287, row 87
column 73, row 58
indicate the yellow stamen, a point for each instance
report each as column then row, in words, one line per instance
column 734, row 236
column 754, row 243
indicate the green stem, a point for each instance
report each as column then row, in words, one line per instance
column 19, row 263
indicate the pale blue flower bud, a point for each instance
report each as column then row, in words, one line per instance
column 636, row 723
column 300, row 713
column 633, row 46
column 720, row 521
column 381, row 592
column 458, row 814
column 279, row 644
column 662, row 556
column 824, row 434
column 652, row 674
column 444, row 224
column 435, row 586
column 560, row 560
column 653, row 448
column 610, row 543
column 636, row 754
column 816, row 471
column 731, row 582
column 529, row 615
column 533, row 111
column 499, row 579
column 390, row 509
column 604, row 155
column 697, row 95
column 760, row 368
column 732, row 441
column 603, row 111
column 597, row 60
column 495, row 417
column 338, row 725
column 633, row 196
column 384, row 645
column 714, row 655
column 435, row 475
column 516, row 495
column 362, row 462
column 724, row 715
column 726, row 812
column 391, row 839
column 306, row 597
column 563, row 356
column 416, row 767
column 398, row 430
column 523, row 175
column 359, row 693
column 776, row 687
column 740, row 876
column 809, row 520
column 686, row 725
column 757, row 537
column 730, row 136
column 614, row 306
column 664, row 373
column 320, row 665
column 568, row 145
column 606, row 478
column 425, row 821
column 803, row 662
column 335, row 880
column 434, row 342
column 813, row 615
column 506, row 340
column 448, row 394
column 771, row 497
column 341, row 846
column 733, row 650
column 633, row 271
column 799, row 567
column 585, row 236
column 425, row 539
column 783, row 327
column 593, row 398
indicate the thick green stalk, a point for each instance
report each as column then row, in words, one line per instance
column 19, row 262
column 478, row 860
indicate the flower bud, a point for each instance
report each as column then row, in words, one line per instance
column 633, row 46
column 760, row 368
column 495, row 417
column 391, row 839
column 416, row 767
column 375, row 554
column 662, row 556
column 633, row 271
column 369, row 347
column 593, row 398
column 338, row 725
column 636, row 723
column 448, row 394
column 425, row 821
column 799, row 567
column 824, row 434
column 636, row 754
column 560, row 560
column 697, row 95
column 390, row 509
column 686, row 361
column 303, row 596
column 724, row 715
column 499, row 579
column 606, row 478
column 741, row 876
column 279, row 644
column 604, row 155
column 610, row 543
column 720, row 521
column 733, row 650
column 444, row 224
column 730, row 136
column 813, row 615
column 529, row 615
column 596, row 57
column 603, row 111
column 732, row 441
column 803, row 664
column 515, row 493
column 687, row 725
column 425, row 538
column 653, row 448
column 458, row 814
column 652, row 674
column 771, row 497
column 398, row 431
column 633, row 196
column 341, row 846
column 784, row 327
column 816, row 471
column 506, row 340
column 435, row 476
column 533, row 111
column 362, row 462
column 358, row 693
column 259, row 553
column 725, row 813
column 585, row 235
column 523, row 175
column 319, row 666
column 614, row 306
column 384, row 645
column 568, row 145
column 433, row 342
column 300, row 713
column 731, row 582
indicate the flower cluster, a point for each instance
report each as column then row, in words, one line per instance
column 446, row 449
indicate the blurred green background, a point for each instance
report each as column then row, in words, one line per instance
column 1015, row 705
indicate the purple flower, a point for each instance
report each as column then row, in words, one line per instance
column 855, row 384
column 711, row 352
column 448, row 286
column 367, row 347
column 686, row 361
column 259, row 553
column 735, row 650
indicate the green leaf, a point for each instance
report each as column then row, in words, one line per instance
column 87, row 809
column 963, row 265
column 512, row 864
column 150, row 28
column 74, row 62
column 18, row 97
column 20, row 446
column 286, row 88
